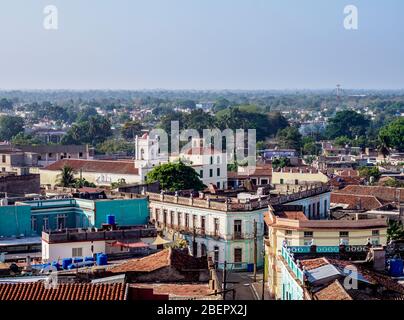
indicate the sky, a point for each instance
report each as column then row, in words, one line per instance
column 201, row 44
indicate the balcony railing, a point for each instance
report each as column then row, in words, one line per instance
column 234, row 204
column 297, row 272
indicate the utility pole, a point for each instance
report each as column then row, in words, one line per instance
column 263, row 277
column 255, row 251
column 224, row 279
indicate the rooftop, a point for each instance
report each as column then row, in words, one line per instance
column 36, row 291
column 129, row 233
column 183, row 290
column 352, row 201
column 234, row 204
column 165, row 258
column 384, row 194
column 117, row 167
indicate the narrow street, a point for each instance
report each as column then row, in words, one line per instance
column 244, row 286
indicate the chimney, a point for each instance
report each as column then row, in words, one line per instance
column 378, row 256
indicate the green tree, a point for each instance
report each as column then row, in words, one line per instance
column 393, row 183
column 22, row 139
column 6, row 104
column 392, row 135
column 175, row 176
column 81, row 183
column 66, row 177
column 112, row 146
column 347, row 123
column 94, row 131
column 280, row 163
column 395, row 231
column 370, row 172
column 131, row 129
column 86, row 113
column 119, row 183
column 342, row 141
column 310, row 147
column 290, row 138
column 10, row 126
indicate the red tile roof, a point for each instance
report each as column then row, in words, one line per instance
column 177, row 289
column 347, row 173
column 311, row 264
column 384, row 194
column 165, row 258
column 69, row 292
column 361, row 202
column 297, row 170
column 292, row 215
column 334, row 291
column 342, row 182
column 102, row 166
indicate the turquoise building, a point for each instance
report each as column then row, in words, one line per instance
column 31, row 217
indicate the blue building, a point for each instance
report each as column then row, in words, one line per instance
column 31, row 217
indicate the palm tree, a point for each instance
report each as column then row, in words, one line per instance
column 383, row 147
column 395, row 231
column 66, row 177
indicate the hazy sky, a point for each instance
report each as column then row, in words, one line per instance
column 201, row 44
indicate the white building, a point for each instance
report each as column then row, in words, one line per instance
column 221, row 231
column 80, row 243
column 209, row 163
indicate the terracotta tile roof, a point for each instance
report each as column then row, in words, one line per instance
column 165, row 258
column 251, row 173
column 292, row 215
column 342, row 182
column 72, row 291
column 362, row 202
column 102, row 166
column 177, row 289
column 311, row 264
column 334, row 291
column 202, row 151
column 385, row 194
column 298, row 170
column 347, row 173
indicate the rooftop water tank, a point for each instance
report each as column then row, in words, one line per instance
column 66, row 262
column 56, row 265
column 396, row 267
column 77, row 260
column 111, row 219
column 102, row 259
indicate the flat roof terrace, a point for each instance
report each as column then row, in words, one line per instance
column 232, row 204
column 129, row 233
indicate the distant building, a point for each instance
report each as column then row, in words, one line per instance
column 271, row 154
column 321, row 273
column 14, row 185
column 298, row 176
column 208, row 162
column 30, row 218
column 80, row 243
column 222, row 227
column 17, row 162
column 99, row 172
column 48, row 154
column 37, row 291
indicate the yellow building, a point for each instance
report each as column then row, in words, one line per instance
column 296, row 230
column 298, row 176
